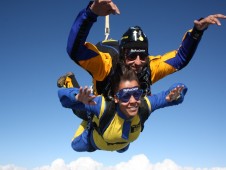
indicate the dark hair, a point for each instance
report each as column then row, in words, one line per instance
column 122, row 73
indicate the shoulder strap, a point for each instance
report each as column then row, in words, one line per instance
column 143, row 112
column 109, row 46
column 112, row 47
column 145, row 79
column 109, row 113
column 107, row 116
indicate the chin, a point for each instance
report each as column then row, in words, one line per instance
column 138, row 70
column 132, row 113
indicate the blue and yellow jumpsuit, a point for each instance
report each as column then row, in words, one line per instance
column 99, row 64
column 120, row 131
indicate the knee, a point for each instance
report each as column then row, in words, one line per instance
column 82, row 143
column 78, row 144
column 123, row 149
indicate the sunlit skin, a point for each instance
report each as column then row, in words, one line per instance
column 130, row 108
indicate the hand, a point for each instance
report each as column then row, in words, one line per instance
column 174, row 94
column 211, row 19
column 84, row 96
column 104, row 8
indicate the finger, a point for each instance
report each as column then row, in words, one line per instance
column 220, row 16
column 115, row 9
column 80, row 90
column 92, row 102
column 104, row 2
column 178, row 97
column 88, row 92
column 216, row 21
column 212, row 20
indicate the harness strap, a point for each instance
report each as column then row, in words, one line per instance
column 143, row 112
column 106, row 118
column 109, row 113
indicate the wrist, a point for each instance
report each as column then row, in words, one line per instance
column 196, row 34
column 90, row 12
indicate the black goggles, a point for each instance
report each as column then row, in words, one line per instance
column 125, row 94
column 132, row 54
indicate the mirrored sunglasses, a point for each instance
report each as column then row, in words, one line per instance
column 125, row 94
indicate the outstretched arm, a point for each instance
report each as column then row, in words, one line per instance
column 190, row 43
column 69, row 97
column 173, row 96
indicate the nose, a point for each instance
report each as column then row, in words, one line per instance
column 138, row 61
column 132, row 99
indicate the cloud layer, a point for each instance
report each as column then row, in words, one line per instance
column 138, row 162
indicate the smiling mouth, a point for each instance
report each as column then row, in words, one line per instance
column 135, row 108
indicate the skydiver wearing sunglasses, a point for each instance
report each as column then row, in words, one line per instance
column 133, row 50
column 125, row 126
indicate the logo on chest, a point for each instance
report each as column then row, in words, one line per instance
column 135, row 128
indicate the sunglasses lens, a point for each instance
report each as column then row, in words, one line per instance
column 125, row 97
column 143, row 56
column 132, row 56
column 137, row 94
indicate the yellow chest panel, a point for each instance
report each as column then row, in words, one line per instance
column 112, row 138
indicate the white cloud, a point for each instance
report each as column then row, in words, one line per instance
column 11, row 167
column 138, row 162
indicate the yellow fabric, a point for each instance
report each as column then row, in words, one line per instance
column 99, row 66
column 113, row 133
column 80, row 129
column 158, row 63
column 68, row 83
column 148, row 103
column 112, row 137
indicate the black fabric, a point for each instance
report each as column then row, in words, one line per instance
column 143, row 112
column 104, row 87
column 111, row 47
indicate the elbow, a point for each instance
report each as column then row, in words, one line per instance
column 69, row 51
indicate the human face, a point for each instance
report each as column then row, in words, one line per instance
column 129, row 108
column 136, row 58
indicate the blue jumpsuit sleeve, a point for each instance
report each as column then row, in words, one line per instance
column 67, row 97
column 185, row 52
column 68, row 100
column 79, row 32
column 159, row 100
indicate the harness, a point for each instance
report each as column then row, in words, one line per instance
column 109, row 114
column 111, row 47
column 104, row 87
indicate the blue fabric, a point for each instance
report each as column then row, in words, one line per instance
column 79, row 32
column 126, row 129
column 159, row 100
column 123, row 149
column 82, row 142
column 185, row 52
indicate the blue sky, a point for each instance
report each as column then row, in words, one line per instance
column 36, row 130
